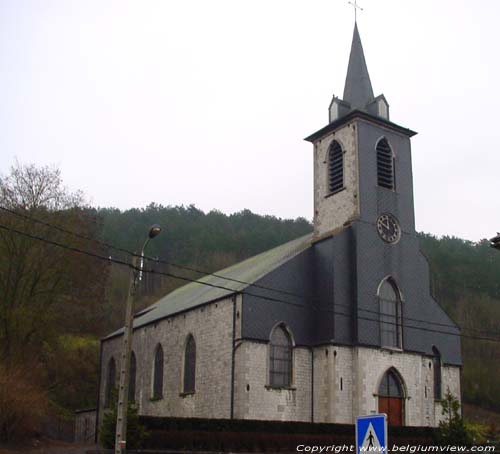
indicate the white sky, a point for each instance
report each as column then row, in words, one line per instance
column 207, row 102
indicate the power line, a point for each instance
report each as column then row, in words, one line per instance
column 121, row 262
column 206, row 273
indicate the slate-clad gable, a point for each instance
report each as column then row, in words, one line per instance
column 342, row 306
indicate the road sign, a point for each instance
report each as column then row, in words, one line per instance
column 371, row 434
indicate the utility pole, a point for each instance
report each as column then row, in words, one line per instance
column 135, row 274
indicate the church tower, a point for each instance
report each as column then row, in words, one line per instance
column 373, row 280
column 362, row 162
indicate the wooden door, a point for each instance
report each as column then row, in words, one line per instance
column 393, row 408
column 383, row 405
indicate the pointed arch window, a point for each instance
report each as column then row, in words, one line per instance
column 391, row 393
column 437, row 373
column 110, row 383
column 335, row 168
column 390, row 385
column 190, row 365
column 132, row 377
column 390, row 314
column 280, row 358
column 385, row 164
column 158, row 373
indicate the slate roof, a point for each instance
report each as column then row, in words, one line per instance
column 197, row 293
column 358, row 90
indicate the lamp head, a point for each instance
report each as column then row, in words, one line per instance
column 495, row 242
column 154, row 231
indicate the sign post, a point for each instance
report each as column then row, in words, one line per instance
column 371, row 434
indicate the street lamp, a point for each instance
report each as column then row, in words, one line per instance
column 495, row 242
column 135, row 276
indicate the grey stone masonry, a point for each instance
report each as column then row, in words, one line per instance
column 255, row 399
column 332, row 211
column 212, row 328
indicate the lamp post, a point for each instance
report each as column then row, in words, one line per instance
column 495, row 242
column 121, row 419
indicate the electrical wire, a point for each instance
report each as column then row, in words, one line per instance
column 206, row 273
column 121, row 262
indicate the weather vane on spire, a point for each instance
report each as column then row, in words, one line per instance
column 356, row 7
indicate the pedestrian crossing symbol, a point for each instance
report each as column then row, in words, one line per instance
column 371, row 434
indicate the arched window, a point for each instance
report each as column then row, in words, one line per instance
column 390, row 397
column 190, row 365
column 110, row 383
column 390, row 314
column 280, row 358
column 132, row 378
column 385, row 165
column 335, row 168
column 158, row 373
column 437, row 373
column 390, row 385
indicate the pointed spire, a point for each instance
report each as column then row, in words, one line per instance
column 358, row 90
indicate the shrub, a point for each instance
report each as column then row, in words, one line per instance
column 452, row 429
column 22, row 402
column 136, row 432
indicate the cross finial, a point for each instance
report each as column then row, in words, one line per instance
column 356, row 7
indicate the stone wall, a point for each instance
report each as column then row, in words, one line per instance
column 346, row 379
column 212, row 328
column 450, row 382
column 254, row 399
column 332, row 211
column 418, row 380
column 333, row 385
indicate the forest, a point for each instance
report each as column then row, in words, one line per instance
column 64, row 279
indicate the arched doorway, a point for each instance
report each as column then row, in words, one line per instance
column 391, row 398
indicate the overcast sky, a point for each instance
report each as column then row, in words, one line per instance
column 208, row 102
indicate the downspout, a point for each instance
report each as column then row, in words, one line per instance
column 354, row 316
column 354, row 283
column 312, row 384
column 233, row 353
column 96, row 435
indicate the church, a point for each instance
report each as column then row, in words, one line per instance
column 332, row 325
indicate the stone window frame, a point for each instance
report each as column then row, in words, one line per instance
column 399, row 313
column 186, row 388
column 327, row 161
column 110, row 388
column 393, row 169
column 288, row 333
column 157, row 386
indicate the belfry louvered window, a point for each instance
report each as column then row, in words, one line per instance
column 385, row 165
column 335, row 168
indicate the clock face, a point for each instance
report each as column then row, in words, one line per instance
column 388, row 228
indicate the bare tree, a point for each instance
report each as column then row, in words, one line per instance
column 42, row 286
column 30, row 187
